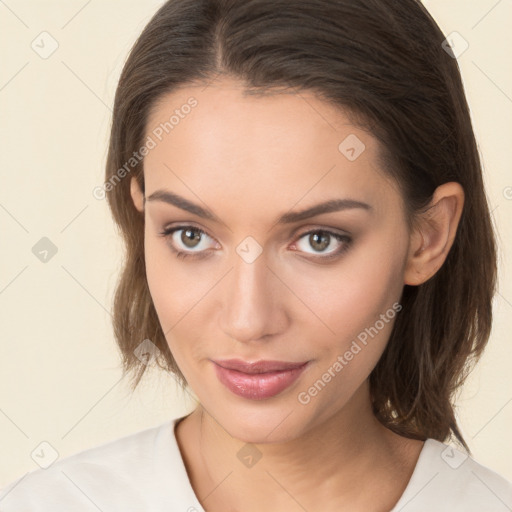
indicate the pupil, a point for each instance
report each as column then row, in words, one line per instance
column 189, row 237
column 319, row 241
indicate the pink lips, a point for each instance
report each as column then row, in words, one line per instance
column 259, row 380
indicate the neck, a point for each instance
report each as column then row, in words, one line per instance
column 331, row 459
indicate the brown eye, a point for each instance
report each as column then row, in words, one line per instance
column 319, row 240
column 322, row 243
column 191, row 237
column 189, row 241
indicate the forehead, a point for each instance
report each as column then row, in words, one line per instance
column 218, row 143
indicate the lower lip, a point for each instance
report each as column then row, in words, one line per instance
column 258, row 386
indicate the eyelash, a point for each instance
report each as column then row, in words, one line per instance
column 167, row 234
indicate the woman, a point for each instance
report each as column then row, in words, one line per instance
column 309, row 249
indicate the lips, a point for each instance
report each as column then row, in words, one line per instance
column 258, row 366
column 257, row 380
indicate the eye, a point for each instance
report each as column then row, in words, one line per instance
column 188, row 240
column 323, row 243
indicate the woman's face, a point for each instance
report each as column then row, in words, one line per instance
column 268, row 273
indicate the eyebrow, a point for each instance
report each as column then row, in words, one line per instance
column 333, row 205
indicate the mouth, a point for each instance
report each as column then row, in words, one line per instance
column 260, row 379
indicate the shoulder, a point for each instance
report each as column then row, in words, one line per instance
column 107, row 476
column 446, row 478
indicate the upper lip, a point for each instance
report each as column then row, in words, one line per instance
column 261, row 366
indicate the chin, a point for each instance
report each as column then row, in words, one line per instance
column 264, row 421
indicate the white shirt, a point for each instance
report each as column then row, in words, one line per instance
column 144, row 472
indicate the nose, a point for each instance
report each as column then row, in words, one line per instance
column 252, row 306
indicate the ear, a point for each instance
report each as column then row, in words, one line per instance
column 137, row 194
column 434, row 233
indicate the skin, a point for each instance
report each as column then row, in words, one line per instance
column 248, row 160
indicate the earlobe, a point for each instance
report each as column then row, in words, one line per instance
column 137, row 194
column 434, row 234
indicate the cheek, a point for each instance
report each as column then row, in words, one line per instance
column 359, row 302
column 351, row 297
column 180, row 297
column 175, row 289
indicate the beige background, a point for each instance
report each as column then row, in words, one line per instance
column 59, row 367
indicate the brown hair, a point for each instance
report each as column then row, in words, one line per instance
column 383, row 62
